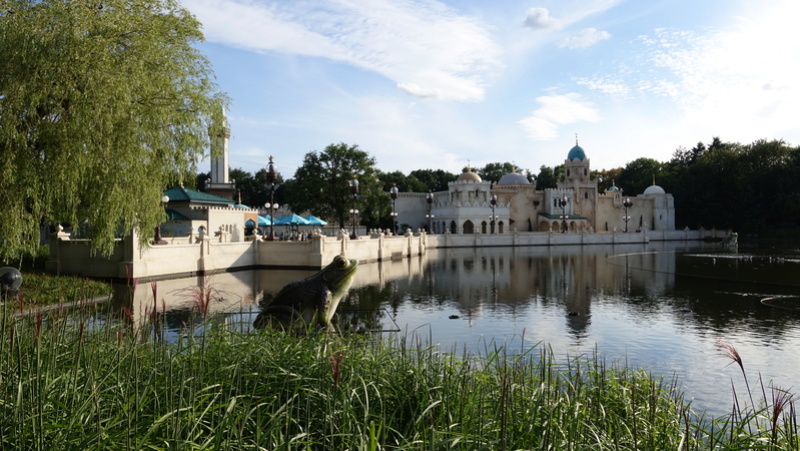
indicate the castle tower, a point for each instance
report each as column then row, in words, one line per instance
column 219, row 184
column 577, row 178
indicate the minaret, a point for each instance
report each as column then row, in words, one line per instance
column 220, row 184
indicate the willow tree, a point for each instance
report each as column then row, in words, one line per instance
column 102, row 103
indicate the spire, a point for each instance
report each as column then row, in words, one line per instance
column 576, row 139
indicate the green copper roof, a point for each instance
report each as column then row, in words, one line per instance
column 181, row 194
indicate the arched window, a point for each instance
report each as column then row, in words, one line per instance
column 469, row 227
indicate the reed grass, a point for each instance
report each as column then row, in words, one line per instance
column 67, row 382
column 40, row 289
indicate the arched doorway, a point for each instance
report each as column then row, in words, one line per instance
column 469, row 227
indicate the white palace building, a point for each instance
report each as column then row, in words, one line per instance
column 576, row 205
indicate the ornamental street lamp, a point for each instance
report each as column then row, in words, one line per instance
column 563, row 204
column 493, row 201
column 157, row 238
column 354, row 210
column 393, row 194
column 627, row 204
column 272, row 185
column 429, row 216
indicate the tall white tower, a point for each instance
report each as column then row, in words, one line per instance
column 220, row 184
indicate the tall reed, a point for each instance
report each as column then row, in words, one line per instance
column 71, row 383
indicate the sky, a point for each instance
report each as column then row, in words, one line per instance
column 425, row 84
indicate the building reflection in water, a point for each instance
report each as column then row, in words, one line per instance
column 473, row 282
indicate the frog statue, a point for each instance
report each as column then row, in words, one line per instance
column 312, row 300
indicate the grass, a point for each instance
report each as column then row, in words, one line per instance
column 40, row 289
column 69, row 382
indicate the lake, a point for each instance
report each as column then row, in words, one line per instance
column 660, row 306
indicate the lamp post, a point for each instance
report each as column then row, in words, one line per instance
column 158, row 239
column 627, row 204
column 354, row 210
column 429, row 216
column 563, row 204
column 393, row 194
column 272, row 185
column 493, row 201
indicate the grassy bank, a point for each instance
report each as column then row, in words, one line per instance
column 70, row 383
column 39, row 290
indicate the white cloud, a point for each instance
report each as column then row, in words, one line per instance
column 737, row 81
column 539, row 19
column 426, row 48
column 606, row 84
column 587, row 38
column 556, row 111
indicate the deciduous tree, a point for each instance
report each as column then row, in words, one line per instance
column 434, row 179
column 321, row 184
column 101, row 105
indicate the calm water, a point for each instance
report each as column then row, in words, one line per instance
column 660, row 306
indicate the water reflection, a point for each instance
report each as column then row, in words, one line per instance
column 660, row 306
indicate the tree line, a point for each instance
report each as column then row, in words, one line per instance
column 750, row 188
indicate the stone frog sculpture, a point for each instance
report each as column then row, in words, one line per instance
column 310, row 300
column 10, row 281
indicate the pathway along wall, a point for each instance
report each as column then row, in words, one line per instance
column 180, row 258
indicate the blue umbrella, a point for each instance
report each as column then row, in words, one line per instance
column 293, row 219
column 313, row 220
column 262, row 222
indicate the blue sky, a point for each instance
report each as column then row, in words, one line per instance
column 423, row 84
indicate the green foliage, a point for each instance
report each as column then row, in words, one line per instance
column 38, row 290
column 606, row 178
column 101, row 105
column 68, row 385
column 410, row 183
column 495, row 171
column 322, row 185
column 434, row 179
column 548, row 177
column 749, row 188
column 253, row 187
column 637, row 175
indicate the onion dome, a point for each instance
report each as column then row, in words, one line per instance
column 469, row 176
column 576, row 152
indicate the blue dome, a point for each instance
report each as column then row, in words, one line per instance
column 576, row 152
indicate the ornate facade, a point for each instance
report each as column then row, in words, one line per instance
column 472, row 205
